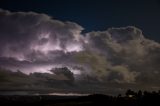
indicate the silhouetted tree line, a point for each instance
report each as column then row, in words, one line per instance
column 140, row 98
column 131, row 98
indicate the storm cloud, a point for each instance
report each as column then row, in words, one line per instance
column 128, row 48
column 36, row 43
column 23, row 34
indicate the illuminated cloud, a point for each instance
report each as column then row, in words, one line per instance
column 23, row 33
column 34, row 42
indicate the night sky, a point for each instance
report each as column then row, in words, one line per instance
column 80, row 46
column 97, row 14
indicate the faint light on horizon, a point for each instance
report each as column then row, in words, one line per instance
column 68, row 94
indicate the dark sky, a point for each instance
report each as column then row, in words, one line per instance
column 97, row 14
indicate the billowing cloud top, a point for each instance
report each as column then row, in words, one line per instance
column 33, row 42
column 23, row 34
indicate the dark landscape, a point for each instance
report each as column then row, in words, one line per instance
column 131, row 98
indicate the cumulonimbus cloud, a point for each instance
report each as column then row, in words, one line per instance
column 37, row 42
column 25, row 33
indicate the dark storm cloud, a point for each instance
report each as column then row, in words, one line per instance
column 62, row 80
column 36, row 43
column 37, row 38
column 63, row 71
column 129, row 50
column 23, row 33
